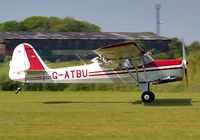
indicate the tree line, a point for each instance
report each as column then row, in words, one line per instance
column 49, row 24
column 175, row 49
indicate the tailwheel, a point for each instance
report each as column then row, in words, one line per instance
column 17, row 90
column 147, row 97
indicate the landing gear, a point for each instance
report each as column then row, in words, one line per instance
column 147, row 97
column 17, row 90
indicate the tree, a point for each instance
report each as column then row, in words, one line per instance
column 36, row 24
column 194, row 47
column 49, row 24
column 175, row 48
column 10, row 26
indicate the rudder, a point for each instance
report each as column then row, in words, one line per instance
column 25, row 58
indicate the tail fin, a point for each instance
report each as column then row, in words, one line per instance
column 25, row 58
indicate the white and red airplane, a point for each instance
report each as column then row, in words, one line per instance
column 124, row 62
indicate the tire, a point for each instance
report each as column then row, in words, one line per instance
column 16, row 92
column 147, row 97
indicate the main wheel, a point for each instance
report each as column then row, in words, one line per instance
column 147, row 97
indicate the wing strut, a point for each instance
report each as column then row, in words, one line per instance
column 143, row 62
column 132, row 76
column 143, row 85
column 135, row 64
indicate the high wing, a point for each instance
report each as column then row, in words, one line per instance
column 128, row 49
column 126, row 54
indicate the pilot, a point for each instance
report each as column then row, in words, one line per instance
column 127, row 63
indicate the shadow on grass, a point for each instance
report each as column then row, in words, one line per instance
column 168, row 102
column 86, row 102
column 157, row 102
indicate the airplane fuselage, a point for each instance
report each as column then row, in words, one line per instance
column 160, row 70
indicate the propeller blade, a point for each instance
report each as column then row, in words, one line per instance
column 186, row 78
column 184, row 56
column 185, row 63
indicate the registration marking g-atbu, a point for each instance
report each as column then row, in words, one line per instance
column 70, row 74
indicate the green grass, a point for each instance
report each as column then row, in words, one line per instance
column 98, row 115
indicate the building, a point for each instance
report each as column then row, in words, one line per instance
column 2, row 49
column 66, row 45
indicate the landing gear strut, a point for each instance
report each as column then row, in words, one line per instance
column 147, row 97
column 17, row 90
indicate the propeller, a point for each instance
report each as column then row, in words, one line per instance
column 184, row 62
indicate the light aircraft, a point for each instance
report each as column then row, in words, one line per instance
column 124, row 62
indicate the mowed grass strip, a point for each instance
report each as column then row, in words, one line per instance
column 98, row 115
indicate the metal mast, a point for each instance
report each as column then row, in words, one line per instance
column 158, row 7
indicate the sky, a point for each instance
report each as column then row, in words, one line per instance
column 179, row 18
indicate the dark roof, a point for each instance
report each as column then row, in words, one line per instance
column 80, row 35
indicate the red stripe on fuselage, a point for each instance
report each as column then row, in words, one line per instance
column 161, row 63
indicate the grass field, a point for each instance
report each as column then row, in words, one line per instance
column 98, row 115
